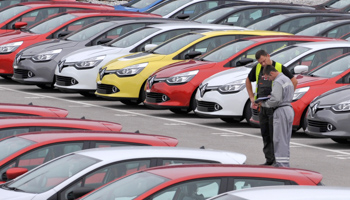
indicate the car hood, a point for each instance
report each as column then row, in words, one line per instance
column 334, row 96
column 89, row 52
column 181, row 67
column 14, row 195
column 49, row 45
column 17, row 36
column 304, row 80
column 228, row 76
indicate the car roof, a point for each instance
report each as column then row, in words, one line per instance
column 30, row 109
column 182, row 171
column 322, row 45
column 133, row 152
column 259, row 4
column 291, row 37
column 117, row 12
column 43, row 3
column 243, row 32
column 186, row 24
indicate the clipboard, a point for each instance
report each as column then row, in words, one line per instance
column 260, row 99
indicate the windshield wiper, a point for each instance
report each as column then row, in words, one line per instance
column 11, row 188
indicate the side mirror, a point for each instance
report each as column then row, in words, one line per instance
column 13, row 173
column 150, row 46
column 183, row 16
column 104, row 40
column 244, row 61
column 301, row 69
column 192, row 54
column 63, row 33
column 79, row 192
column 19, row 25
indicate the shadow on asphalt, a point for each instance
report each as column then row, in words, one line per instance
column 37, row 90
column 8, row 82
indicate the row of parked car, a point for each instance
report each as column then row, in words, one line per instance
column 195, row 62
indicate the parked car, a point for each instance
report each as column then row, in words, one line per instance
column 181, row 97
column 138, row 5
column 290, row 22
column 212, row 102
column 52, row 28
column 8, row 109
column 199, row 182
column 124, row 78
column 84, row 78
column 287, row 192
column 328, row 113
column 30, row 150
column 92, row 168
column 10, row 126
column 37, row 63
column 244, row 13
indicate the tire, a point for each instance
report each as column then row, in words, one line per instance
column 142, row 93
column 341, row 140
column 193, row 102
column 88, row 94
column 180, row 111
column 247, row 113
column 230, row 120
column 303, row 123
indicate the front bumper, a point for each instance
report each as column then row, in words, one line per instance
column 6, row 66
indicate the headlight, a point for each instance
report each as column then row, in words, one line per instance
column 298, row 93
column 11, row 47
column 90, row 62
column 46, row 56
column 232, row 87
column 182, row 78
column 343, row 106
column 131, row 70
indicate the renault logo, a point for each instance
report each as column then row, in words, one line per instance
column 60, row 65
column 202, row 89
column 102, row 73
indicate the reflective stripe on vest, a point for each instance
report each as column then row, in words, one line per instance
column 278, row 67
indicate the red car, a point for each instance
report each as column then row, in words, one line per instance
column 199, row 182
column 7, row 109
column 180, row 98
column 32, row 149
column 10, row 126
column 51, row 28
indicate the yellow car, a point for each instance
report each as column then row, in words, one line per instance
column 124, row 78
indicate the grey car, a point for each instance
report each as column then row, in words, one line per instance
column 41, row 59
column 328, row 115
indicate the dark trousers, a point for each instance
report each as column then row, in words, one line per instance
column 266, row 128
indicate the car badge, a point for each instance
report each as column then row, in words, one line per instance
column 18, row 58
column 60, row 65
column 151, row 81
column 314, row 108
column 102, row 73
column 202, row 89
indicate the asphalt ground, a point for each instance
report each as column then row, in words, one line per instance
column 332, row 160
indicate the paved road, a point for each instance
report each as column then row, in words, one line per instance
column 321, row 155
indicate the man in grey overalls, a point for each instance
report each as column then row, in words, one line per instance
column 280, row 99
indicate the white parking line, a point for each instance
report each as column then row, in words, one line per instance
column 178, row 121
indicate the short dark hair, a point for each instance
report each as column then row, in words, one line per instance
column 260, row 53
column 268, row 69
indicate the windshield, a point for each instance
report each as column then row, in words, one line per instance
column 332, row 69
column 11, row 12
column 315, row 29
column 132, row 38
column 227, row 51
column 12, row 145
column 51, row 174
column 129, row 187
column 287, row 54
column 168, row 7
column 213, row 15
column 141, row 3
column 267, row 23
column 89, row 32
column 49, row 25
column 176, row 44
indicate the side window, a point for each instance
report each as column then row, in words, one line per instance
column 77, row 25
column 242, row 183
column 345, row 80
column 161, row 38
column 14, row 131
column 182, row 162
column 269, row 47
column 44, row 154
column 207, row 45
column 106, row 174
column 74, row 9
column 338, row 32
column 295, row 24
column 114, row 144
column 56, row 128
column 244, row 17
column 274, row 10
column 197, row 8
column 193, row 190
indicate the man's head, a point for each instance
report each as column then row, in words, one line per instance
column 270, row 72
column 263, row 58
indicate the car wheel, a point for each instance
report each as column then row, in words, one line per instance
column 193, row 103
column 142, row 94
column 341, row 140
column 180, row 110
column 304, row 121
column 88, row 94
column 247, row 112
column 130, row 102
column 230, row 120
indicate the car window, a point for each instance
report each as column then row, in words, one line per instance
column 48, row 128
column 4, row 4
column 210, row 17
column 88, row 32
column 106, row 174
column 11, row 145
column 197, row 8
column 114, row 144
column 313, row 30
column 242, row 183
column 176, row 44
column 77, row 25
column 332, row 69
column 141, row 3
column 8, row 13
column 7, row 114
column 74, row 9
column 295, row 24
column 286, row 54
column 207, row 45
column 183, row 161
column 132, row 38
column 317, row 58
column 243, row 18
column 190, row 190
column 266, row 23
column 14, row 131
column 168, row 7
column 49, row 25
column 338, row 31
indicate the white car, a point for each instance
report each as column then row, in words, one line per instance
column 235, row 106
column 82, row 79
column 295, row 192
column 56, row 179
